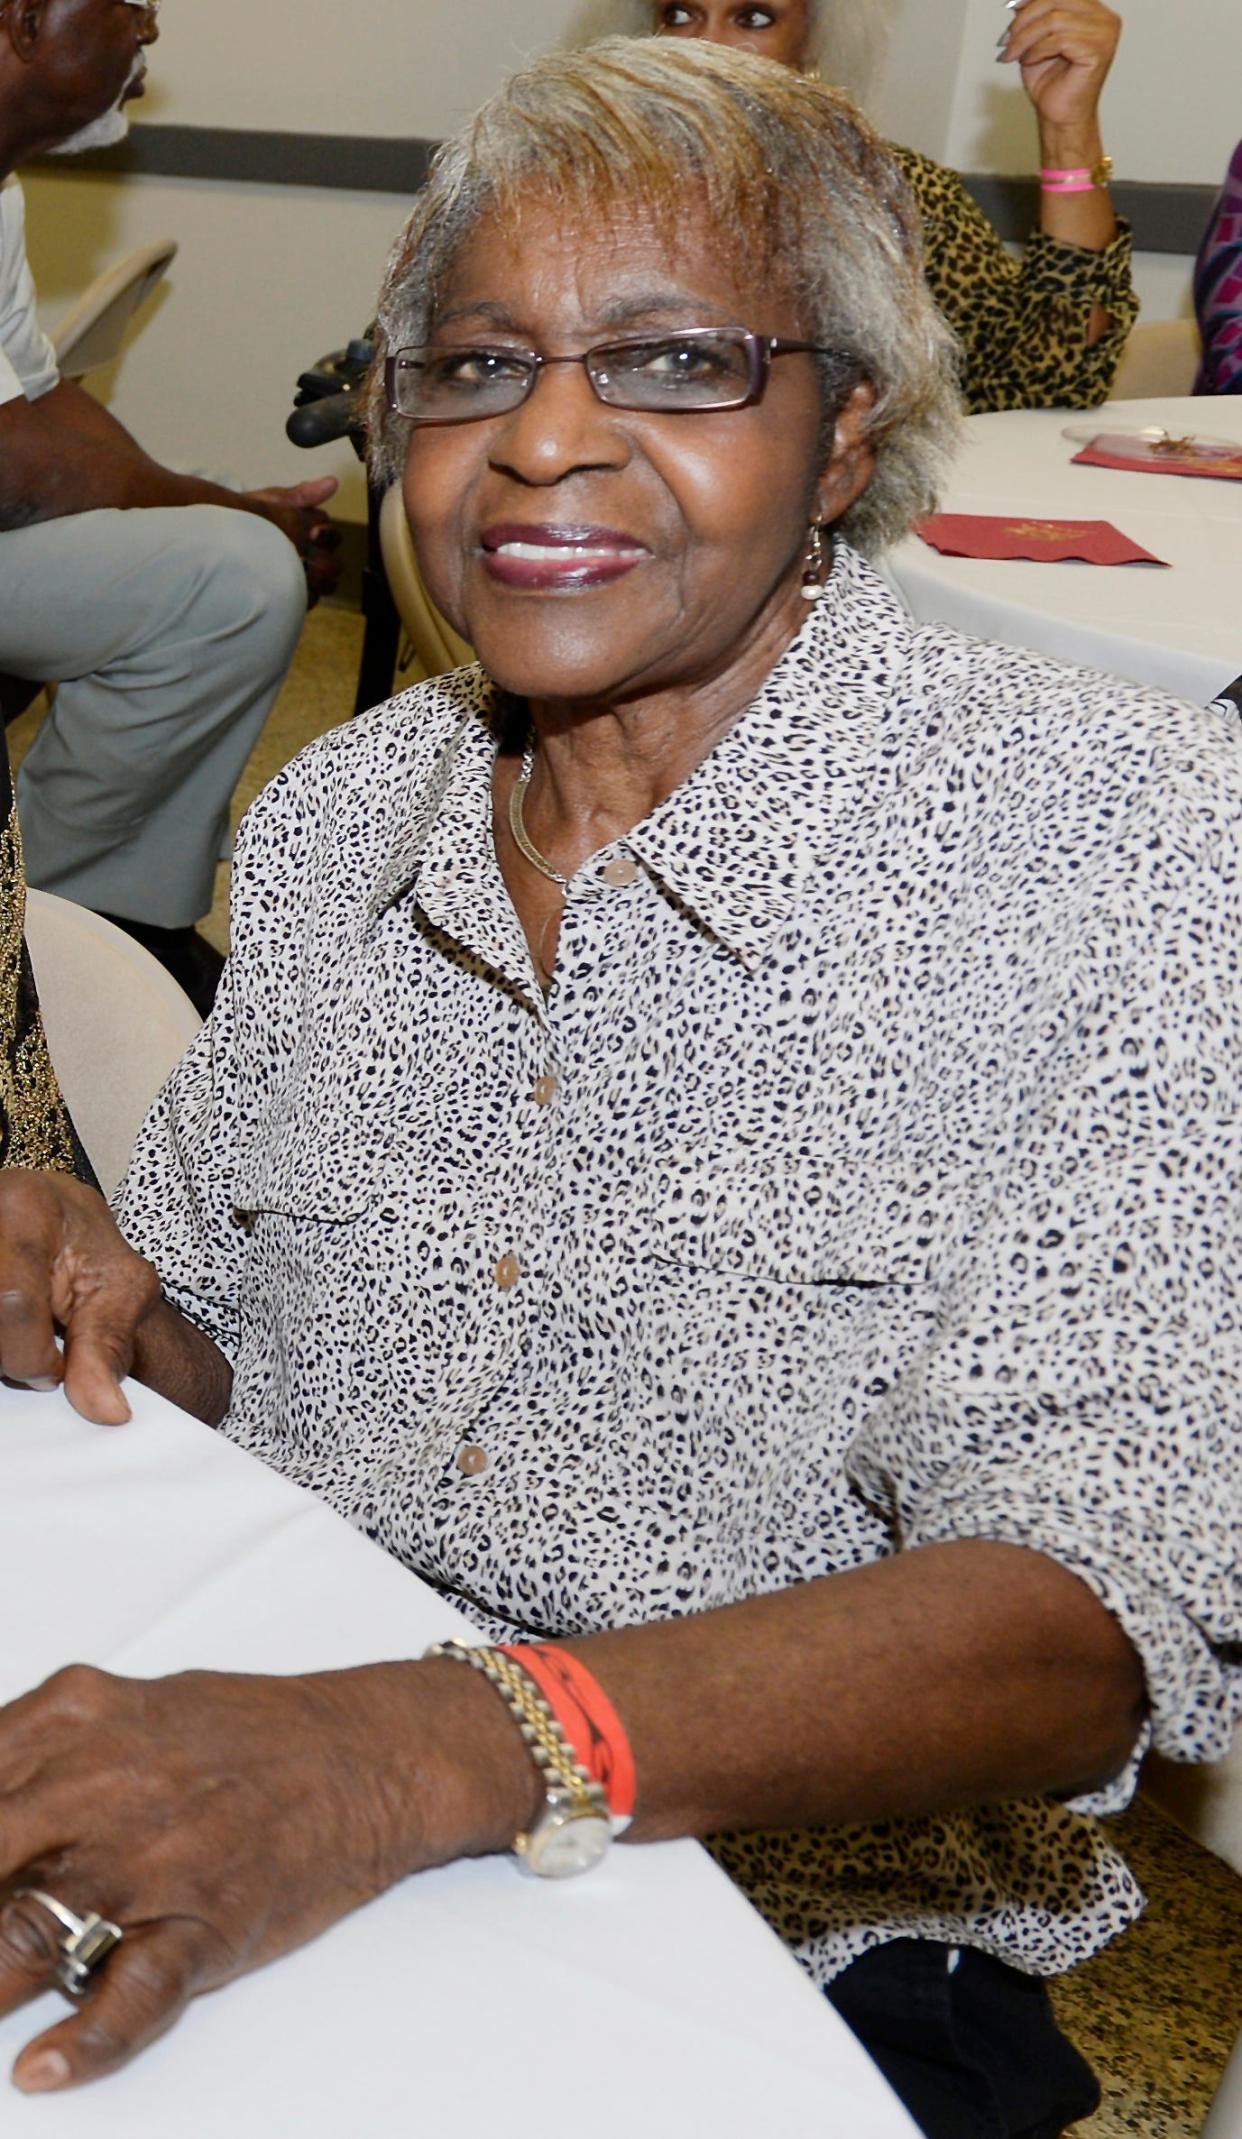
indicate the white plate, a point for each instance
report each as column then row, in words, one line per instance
column 1081, row 434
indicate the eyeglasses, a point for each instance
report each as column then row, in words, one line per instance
column 697, row 369
column 148, row 8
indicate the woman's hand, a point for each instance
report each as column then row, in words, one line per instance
column 1065, row 49
column 64, row 1266
column 221, row 1820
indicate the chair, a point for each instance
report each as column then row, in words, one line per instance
column 1161, row 356
column 434, row 644
column 93, row 330
column 1206, row 1802
column 116, row 1024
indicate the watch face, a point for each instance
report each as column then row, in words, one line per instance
column 565, row 1843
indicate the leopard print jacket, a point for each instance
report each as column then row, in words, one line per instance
column 1022, row 324
column 35, row 1129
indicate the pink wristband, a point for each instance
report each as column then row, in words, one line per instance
column 1080, row 181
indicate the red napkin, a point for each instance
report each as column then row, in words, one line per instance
column 984, row 534
column 1172, row 456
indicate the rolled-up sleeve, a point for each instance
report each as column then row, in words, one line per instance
column 1024, row 324
column 1082, row 1393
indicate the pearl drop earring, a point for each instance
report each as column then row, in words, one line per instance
column 813, row 588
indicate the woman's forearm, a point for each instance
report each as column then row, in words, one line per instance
column 950, row 1675
column 1087, row 219
column 1065, row 49
column 179, row 1361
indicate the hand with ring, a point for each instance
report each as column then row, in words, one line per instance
column 82, row 1942
column 160, row 1837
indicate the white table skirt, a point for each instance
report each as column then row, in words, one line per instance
column 1178, row 630
column 673, row 2010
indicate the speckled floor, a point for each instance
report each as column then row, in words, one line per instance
column 1158, row 2013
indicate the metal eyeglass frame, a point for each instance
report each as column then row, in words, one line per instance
column 760, row 350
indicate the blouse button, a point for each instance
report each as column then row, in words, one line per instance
column 620, row 872
column 472, row 1460
column 508, row 1271
column 544, row 1090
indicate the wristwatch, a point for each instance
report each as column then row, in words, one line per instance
column 1102, row 171
column 570, row 1836
column 574, row 1828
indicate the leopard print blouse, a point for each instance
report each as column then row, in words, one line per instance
column 866, row 1180
column 35, row 1129
column 1022, row 324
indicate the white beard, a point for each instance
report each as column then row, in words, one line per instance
column 102, row 133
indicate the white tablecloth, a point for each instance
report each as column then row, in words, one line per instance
column 1179, row 630
column 672, row 2009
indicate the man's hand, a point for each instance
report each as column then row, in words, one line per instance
column 1065, row 49
column 297, row 510
column 67, row 454
column 221, row 1820
column 64, row 1266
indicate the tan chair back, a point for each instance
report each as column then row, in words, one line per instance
column 116, row 1024
column 93, row 330
column 435, row 645
column 1161, row 357
column 1206, row 1802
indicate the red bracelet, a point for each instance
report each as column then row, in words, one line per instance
column 587, row 1717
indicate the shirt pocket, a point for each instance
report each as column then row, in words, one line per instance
column 811, row 1218
column 308, row 1166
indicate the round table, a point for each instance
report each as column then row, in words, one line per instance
column 1179, row 630
column 648, row 1998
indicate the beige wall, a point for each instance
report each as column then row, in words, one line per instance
column 270, row 278
column 372, row 67
column 267, row 280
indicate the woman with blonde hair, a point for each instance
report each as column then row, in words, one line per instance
column 1047, row 329
column 845, row 43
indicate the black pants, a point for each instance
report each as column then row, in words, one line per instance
column 971, row 2046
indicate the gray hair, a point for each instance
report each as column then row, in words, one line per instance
column 794, row 185
column 848, row 37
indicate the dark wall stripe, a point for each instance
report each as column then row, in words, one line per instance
column 1166, row 218
column 352, row 163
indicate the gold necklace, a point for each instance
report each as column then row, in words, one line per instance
column 517, row 823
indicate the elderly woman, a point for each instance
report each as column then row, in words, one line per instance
column 1048, row 328
column 714, row 1150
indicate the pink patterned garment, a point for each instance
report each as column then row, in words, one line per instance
column 1218, row 289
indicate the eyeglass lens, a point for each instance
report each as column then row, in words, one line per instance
column 702, row 368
